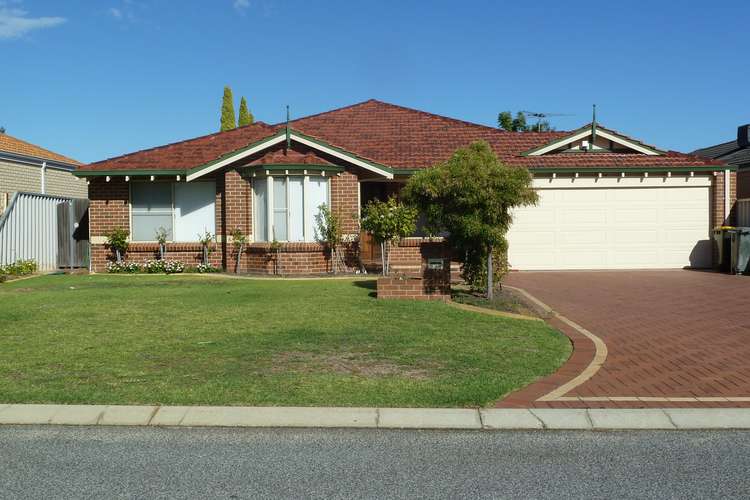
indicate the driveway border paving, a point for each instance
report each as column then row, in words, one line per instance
column 589, row 355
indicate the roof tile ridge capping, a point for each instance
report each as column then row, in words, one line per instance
column 321, row 113
column 411, row 110
column 66, row 159
column 164, row 146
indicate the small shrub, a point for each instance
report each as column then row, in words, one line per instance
column 163, row 266
column 123, row 267
column 117, row 241
column 19, row 268
column 161, row 238
column 204, row 268
column 205, row 240
column 173, row 266
column 238, row 240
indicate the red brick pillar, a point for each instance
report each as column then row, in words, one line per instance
column 237, row 210
column 108, row 209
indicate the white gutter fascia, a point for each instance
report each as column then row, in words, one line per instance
column 727, row 204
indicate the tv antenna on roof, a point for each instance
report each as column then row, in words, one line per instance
column 541, row 116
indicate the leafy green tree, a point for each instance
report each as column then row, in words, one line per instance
column 388, row 221
column 228, row 122
column 470, row 197
column 328, row 232
column 540, row 126
column 506, row 121
column 246, row 117
column 519, row 123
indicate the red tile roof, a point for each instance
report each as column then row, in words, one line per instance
column 407, row 138
column 291, row 157
column 13, row 145
column 395, row 136
column 187, row 154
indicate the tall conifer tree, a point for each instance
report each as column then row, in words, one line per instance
column 228, row 121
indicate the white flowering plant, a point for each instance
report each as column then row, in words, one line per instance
column 123, row 267
column 205, row 268
column 163, row 266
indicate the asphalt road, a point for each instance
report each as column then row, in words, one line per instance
column 73, row 462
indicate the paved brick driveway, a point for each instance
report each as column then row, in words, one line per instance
column 674, row 338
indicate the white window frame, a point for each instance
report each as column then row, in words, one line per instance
column 130, row 208
column 306, row 209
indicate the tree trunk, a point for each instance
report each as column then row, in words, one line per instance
column 118, row 255
column 335, row 259
column 239, row 258
column 490, row 275
column 161, row 251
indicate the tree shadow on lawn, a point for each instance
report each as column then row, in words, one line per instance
column 368, row 285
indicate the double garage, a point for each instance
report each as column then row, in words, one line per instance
column 614, row 222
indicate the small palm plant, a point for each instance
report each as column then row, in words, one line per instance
column 238, row 240
column 205, row 240
column 161, row 238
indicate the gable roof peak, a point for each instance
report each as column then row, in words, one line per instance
column 587, row 131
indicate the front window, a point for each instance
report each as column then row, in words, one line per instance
column 286, row 206
column 184, row 210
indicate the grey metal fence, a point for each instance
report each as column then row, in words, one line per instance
column 29, row 229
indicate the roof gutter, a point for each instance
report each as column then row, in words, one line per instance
column 128, row 172
column 36, row 161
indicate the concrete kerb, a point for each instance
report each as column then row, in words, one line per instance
column 378, row 418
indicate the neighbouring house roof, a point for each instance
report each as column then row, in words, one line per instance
column 15, row 146
column 728, row 152
column 387, row 136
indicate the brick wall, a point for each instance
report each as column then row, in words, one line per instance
column 292, row 258
column 432, row 285
column 23, row 177
column 717, row 199
column 109, row 209
column 345, row 199
column 62, row 183
column 743, row 183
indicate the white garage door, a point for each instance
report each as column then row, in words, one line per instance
column 588, row 224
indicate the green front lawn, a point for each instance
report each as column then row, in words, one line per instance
column 215, row 340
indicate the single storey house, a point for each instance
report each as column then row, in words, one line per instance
column 26, row 167
column 606, row 200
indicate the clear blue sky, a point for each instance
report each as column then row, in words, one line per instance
column 93, row 79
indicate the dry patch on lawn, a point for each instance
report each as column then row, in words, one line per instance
column 346, row 363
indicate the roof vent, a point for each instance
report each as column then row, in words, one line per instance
column 743, row 136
